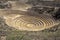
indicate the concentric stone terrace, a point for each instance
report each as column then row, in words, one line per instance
column 30, row 23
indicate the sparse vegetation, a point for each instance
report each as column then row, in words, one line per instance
column 14, row 34
column 25, row 35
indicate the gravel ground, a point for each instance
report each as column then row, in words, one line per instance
column 12, row 34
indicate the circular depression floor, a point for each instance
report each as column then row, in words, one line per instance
column 31, row 23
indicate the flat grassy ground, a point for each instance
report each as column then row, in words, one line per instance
column 13, row 34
